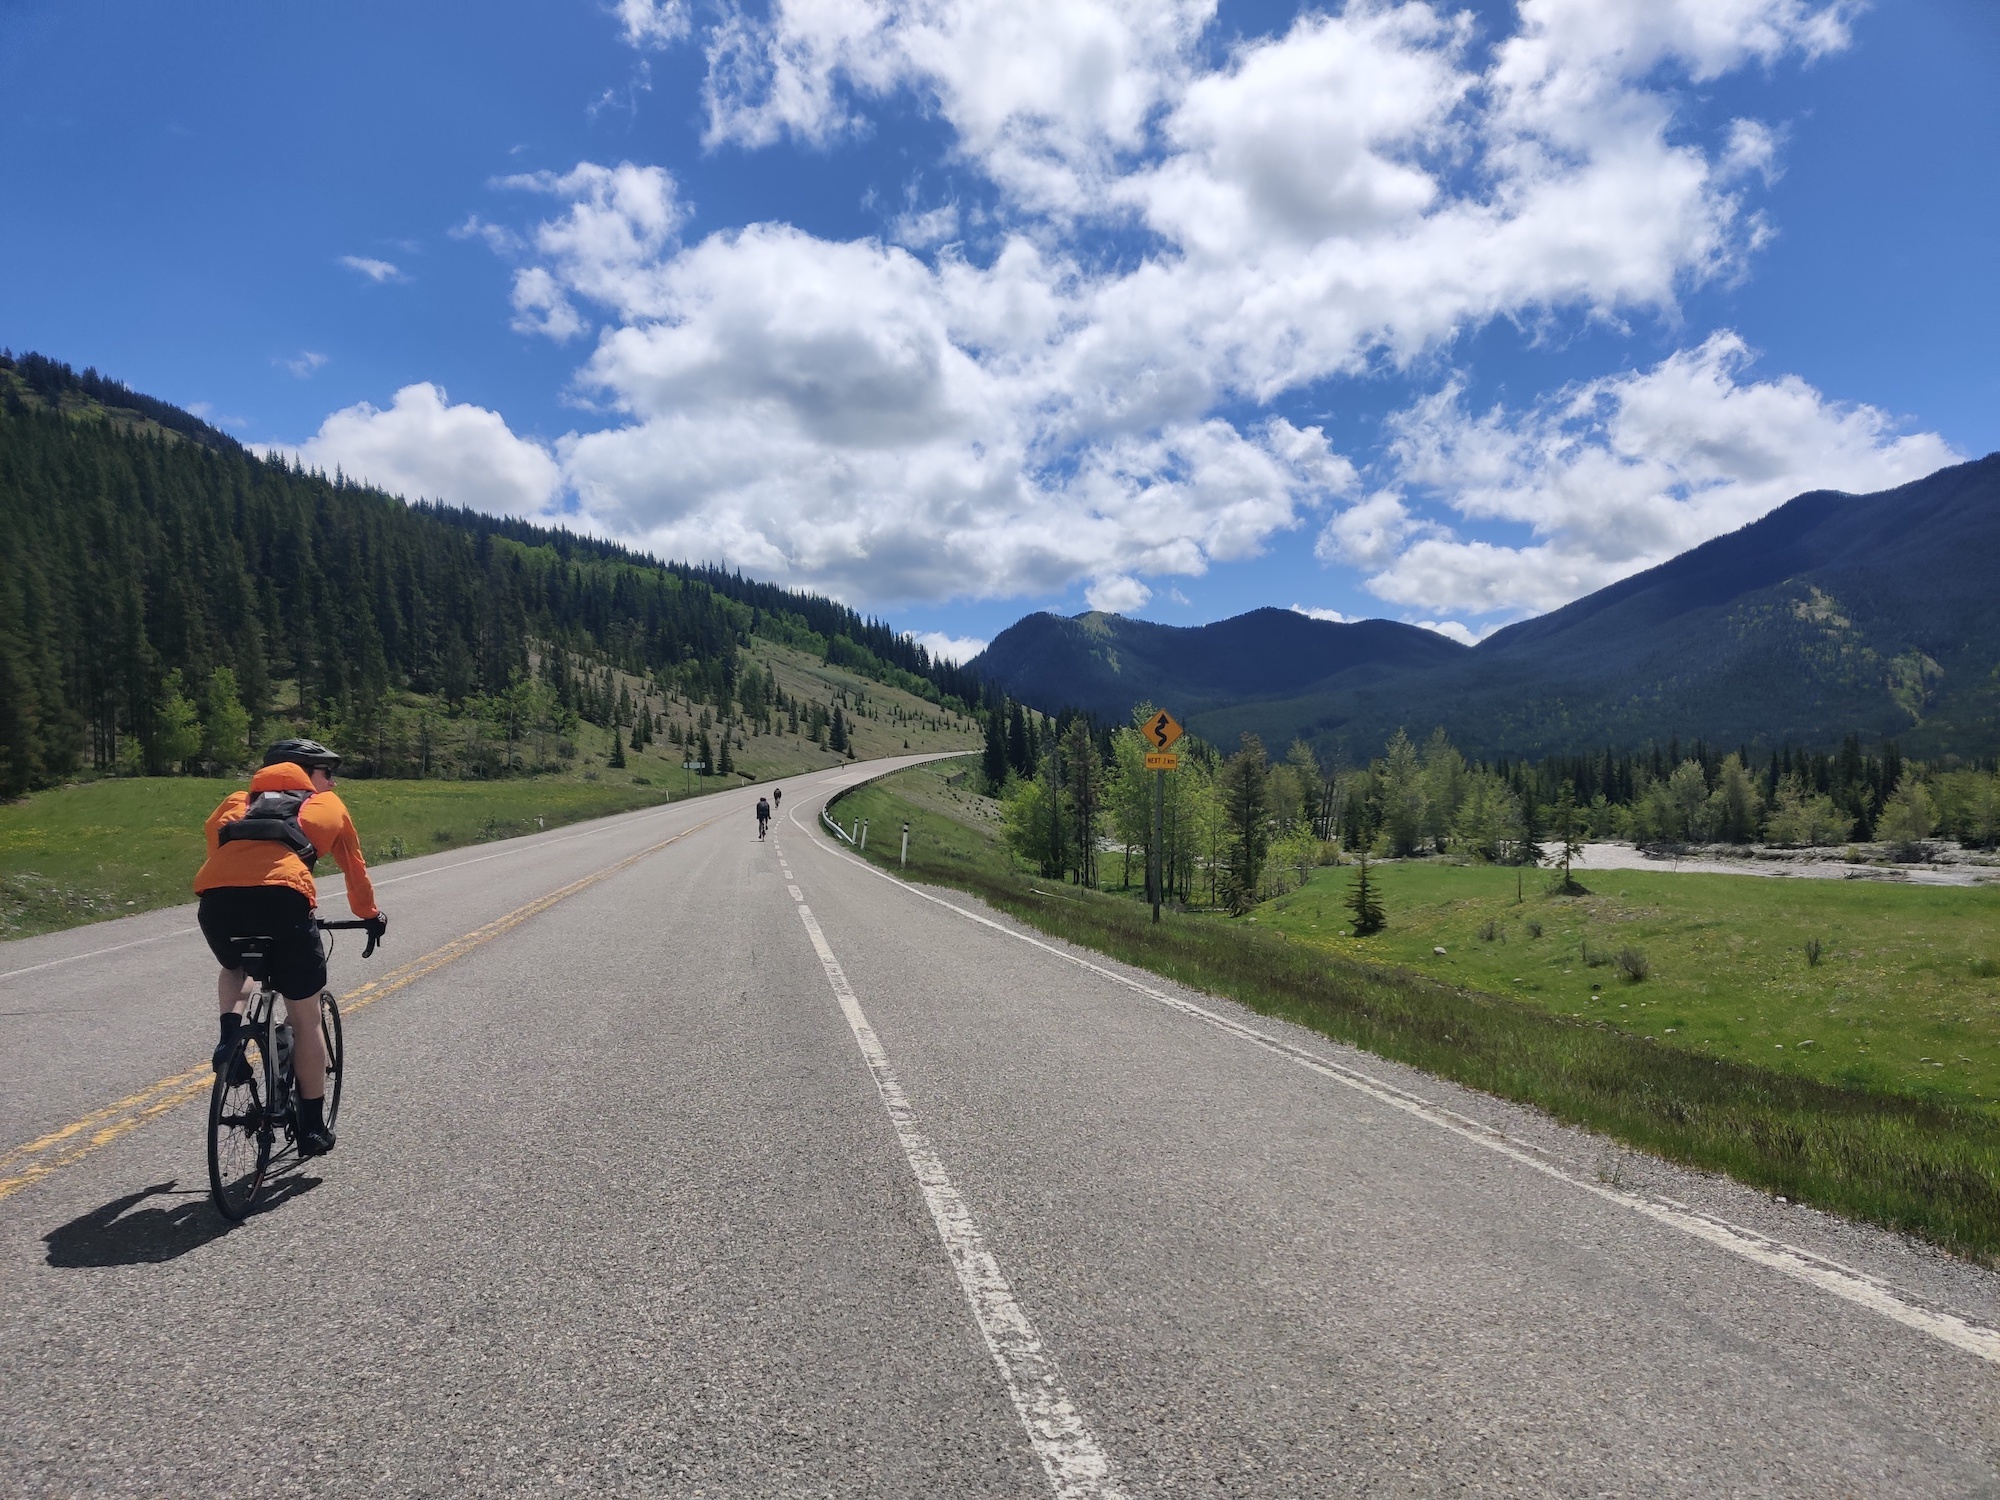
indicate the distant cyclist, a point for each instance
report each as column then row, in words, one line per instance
column 763, row 816
column 257, row 882
column 777, row 797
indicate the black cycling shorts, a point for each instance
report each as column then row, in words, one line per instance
column 294, row 963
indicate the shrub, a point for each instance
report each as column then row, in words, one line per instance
column 1489, row 930
column 1534, row 929
column 1633, row 965
column 1813, row 950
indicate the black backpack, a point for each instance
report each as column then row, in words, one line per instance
column 274, row 817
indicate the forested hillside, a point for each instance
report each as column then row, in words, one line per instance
column 168, row 598
column 1105, row 663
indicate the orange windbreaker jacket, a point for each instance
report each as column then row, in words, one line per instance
column 324, row 818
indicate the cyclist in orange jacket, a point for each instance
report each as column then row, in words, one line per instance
column 257, row 881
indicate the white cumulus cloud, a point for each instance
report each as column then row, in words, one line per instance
column 1457, row 630
column 1621, row 473
column 653, row 23
column 377, row 271
column 1119, row 594
column 1044, row 94
column 957, row 649
column 980, row 407
column 422, row 447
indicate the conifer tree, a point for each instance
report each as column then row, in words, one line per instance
column 1246, row 797
column 993, row 766
column 1364, row 901
column 1566, row 827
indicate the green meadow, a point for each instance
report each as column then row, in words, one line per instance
column 105, row 849
column 1904, row 995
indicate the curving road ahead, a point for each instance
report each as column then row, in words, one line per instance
column 678, row 1163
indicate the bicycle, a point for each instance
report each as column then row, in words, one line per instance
column 251, row 1100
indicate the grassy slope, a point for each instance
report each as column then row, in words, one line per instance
column 1906, row 995
column 111, row 848
column 107, row 849
column 1912, row 1163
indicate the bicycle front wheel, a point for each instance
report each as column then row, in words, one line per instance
column 239, row 1131
column 336, row 1059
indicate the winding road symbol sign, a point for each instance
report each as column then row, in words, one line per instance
column 1162, row 729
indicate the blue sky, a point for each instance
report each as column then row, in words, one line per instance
column 958, row 311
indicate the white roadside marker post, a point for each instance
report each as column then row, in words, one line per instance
column 864, row 833
column 905, row 860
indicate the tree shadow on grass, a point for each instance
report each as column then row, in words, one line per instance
column 133, row 1231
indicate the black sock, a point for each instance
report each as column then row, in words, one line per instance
column 232, row 1022
column 312, row 1113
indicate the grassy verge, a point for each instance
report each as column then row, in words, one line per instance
column 112, row 848
column 1920, row 1165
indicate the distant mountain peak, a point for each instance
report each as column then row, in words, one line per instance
column 1833, row 614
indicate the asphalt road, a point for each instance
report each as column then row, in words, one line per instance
column 739, row 1169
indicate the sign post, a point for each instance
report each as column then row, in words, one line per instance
column 1161, row 730
column 692, row 765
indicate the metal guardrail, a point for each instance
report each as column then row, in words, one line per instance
column 858, row 838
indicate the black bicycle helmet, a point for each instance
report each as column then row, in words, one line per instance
column 307, row 755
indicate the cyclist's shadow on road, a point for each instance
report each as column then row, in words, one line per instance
column 133, row 1231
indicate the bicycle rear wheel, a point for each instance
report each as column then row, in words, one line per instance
column 336, row 1059
column 239, row 1131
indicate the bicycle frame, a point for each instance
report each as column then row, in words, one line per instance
column 263, row 1016
column 262, row 1024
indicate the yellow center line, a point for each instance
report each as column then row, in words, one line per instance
column 50, row 1153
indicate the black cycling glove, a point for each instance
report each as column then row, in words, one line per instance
column 377, row 926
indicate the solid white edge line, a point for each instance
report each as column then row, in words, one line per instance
column 1842, row 1281
column 99, row 952
column 1069, row 1451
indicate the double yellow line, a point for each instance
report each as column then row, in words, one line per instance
column 29, row 1164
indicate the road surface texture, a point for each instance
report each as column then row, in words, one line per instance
column 677, row 1163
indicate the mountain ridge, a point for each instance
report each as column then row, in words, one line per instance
column 1833, row 614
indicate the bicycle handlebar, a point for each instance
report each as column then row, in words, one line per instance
column 357, row 925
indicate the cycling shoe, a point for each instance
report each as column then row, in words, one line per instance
column 230, row 1055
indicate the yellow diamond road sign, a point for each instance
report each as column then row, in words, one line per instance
column 1162, row 760
column 1162, row 730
